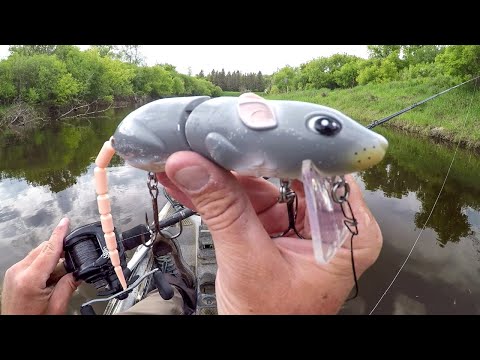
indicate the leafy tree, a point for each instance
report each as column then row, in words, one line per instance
column 29, row 50
column 347, row 75
column 116, row 77
column 42, row 78
column 63, row 51
column 382, row 51
column 178, row 87
column 317, row 74
column 87, row 68
column 324, row 72
column 460, row 60
column 283, row 79
column 369, row 72
column 154, row 81
column 389, row 67
column 418, row 54
column 169, row 67
column 380, row 70
column 7, row 88
column 215, row 90
column 336, row 61
column 421, row 70
column 132, row 54
column 111, row 51
column 67, row 89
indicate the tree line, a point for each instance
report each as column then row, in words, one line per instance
column 66, row 77
column 55, row 75
column 385, row 63
column 237, row 81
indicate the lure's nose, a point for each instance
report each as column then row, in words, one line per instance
column 383, row 143
column 369, row 153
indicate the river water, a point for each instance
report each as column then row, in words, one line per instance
column 49, row 175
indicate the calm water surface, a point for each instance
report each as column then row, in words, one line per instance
column 49, row 175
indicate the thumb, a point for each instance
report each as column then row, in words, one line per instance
column 62, row 294
column 223, row 204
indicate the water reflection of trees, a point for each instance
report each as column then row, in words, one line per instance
column 419, row 166
column 57, row 156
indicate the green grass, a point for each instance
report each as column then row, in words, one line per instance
column 231, row 93
column 443, row 117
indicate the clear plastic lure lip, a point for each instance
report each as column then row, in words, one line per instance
column 324, row 214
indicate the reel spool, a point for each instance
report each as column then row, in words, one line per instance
column 87, row 257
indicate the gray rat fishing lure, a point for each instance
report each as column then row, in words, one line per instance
column 257, row 137
column 249, row 135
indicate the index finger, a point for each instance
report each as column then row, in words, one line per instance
column 48, row 258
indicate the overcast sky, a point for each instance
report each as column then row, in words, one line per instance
column 246, row 58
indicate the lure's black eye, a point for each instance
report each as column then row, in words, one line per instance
column 326, row 125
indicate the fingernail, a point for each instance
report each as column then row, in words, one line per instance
column 192, row 178
column 63, row 222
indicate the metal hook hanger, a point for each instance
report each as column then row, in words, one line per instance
column 289, row 197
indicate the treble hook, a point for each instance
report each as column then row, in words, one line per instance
column 177, row 206
column 289, row 197
column 153, row 189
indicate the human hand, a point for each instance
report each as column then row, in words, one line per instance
column 38, row 284
column 257, row 274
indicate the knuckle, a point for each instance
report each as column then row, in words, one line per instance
column 221, row 208
column 33, row 250
column 23, row 282
column 49, row 247
column 10, row 273
column 57, row 232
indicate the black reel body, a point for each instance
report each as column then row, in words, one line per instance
column 87, row 257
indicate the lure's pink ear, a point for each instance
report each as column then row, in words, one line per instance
column 255, row 112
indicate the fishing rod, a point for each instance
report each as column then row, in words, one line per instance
column 388, row 118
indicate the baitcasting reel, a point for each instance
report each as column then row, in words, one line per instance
column 87, row 257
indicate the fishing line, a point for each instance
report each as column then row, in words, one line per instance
column 436, row 200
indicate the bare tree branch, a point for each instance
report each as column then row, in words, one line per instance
column 86, row 113
column 20, row 115
column 75, row 108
